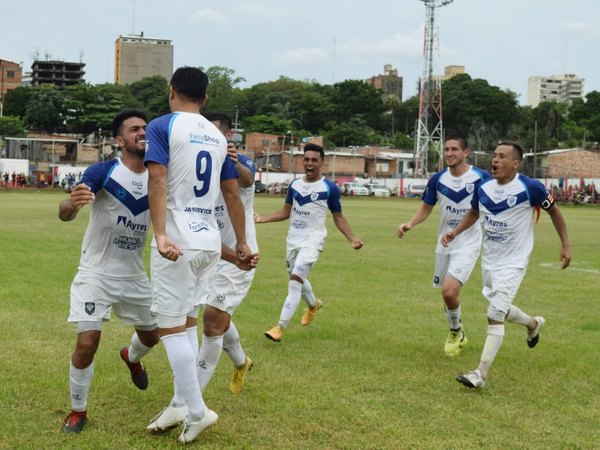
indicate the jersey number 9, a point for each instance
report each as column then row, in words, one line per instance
column 203, row 173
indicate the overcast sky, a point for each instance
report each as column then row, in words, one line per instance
column 502, row 41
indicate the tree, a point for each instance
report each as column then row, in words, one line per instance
column 355, row 98
column 354, row 132
column 467, row 101
column 151, row 95
column 223, row 93
column 16, row 100
column 45, row 109
column 263, row 123
column 11, row 126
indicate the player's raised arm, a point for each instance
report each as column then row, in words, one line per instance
column 277, row 216
column 420, row 216
column 342, row 224
column 467, row 221
column 81, row 195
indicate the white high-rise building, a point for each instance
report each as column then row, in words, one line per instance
column 559, row 88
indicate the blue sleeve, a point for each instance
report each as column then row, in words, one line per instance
column 96, row 175
column 248, row 164
column 289, row 198
column 333, row 199
column 536, row 191
column 475, row 198
column 157, row 139
column 430, row 194
column 228, row 170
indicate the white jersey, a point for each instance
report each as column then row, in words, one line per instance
column 195, row 154
column 310, row 204
column 113, row 245
column 454, row 195
column 223, row 220
column 507, row 212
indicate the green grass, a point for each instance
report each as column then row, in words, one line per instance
column 369, row 373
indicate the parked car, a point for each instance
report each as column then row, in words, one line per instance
column 354, row 188
column 415, row 190
column 379, row 190
column 259, row 187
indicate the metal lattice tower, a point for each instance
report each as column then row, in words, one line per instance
column 429, row 137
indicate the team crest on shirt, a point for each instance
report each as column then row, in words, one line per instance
column 90, row 308
column 120, row 193
column 470, row 187
column 314, row 196
column 511, row 201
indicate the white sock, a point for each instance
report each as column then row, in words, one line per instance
column 307, row 294
column 181, row 359
column 80, row 381
column 208, row 358
column 291, row 302
column 495, row 336
column 192, row 334
column 515, row 315
column 453, row 316
column 137, row 350
column 233, row 347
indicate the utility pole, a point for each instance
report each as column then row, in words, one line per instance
column 429, row 134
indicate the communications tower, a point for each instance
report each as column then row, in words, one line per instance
column 429, row 134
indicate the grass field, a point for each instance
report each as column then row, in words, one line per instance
column 369, row 373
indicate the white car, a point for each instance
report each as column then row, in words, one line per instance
column 354, row 188
column 378, row 190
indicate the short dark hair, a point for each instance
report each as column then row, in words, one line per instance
column 314, row 148
column 515, row 145
column 121, row 117
column 224, row 120
column 462, row 140
column 190, row 83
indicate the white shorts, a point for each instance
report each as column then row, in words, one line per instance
column 299, row 261
column 229, row 287
column 179, row 286
column 94, row 296
column 458, row 265
column 500, row 288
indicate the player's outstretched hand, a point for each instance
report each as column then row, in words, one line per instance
column 447, row 238
column 167, row 248
column 257, row 218
column 403, row 228
column 357, row 244
column 81, row 195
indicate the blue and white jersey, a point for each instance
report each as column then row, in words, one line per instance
column 113, row 245
column 195, row 154
column 310, row 204
column 507, row 212
column 454, row 195
column 247, row 196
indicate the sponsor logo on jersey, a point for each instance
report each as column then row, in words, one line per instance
column 90, row 308
column 436, row 279
column 195, row 209
column 495, row 223
column 221, row 298
column 203, row 139
column 128, row 242
column 201, row 363
column 457, row 211
column 122, row 220
column 511, row 201
column 196, row 227
column 138, row 184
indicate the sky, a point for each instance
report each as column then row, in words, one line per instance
column 502, row 41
